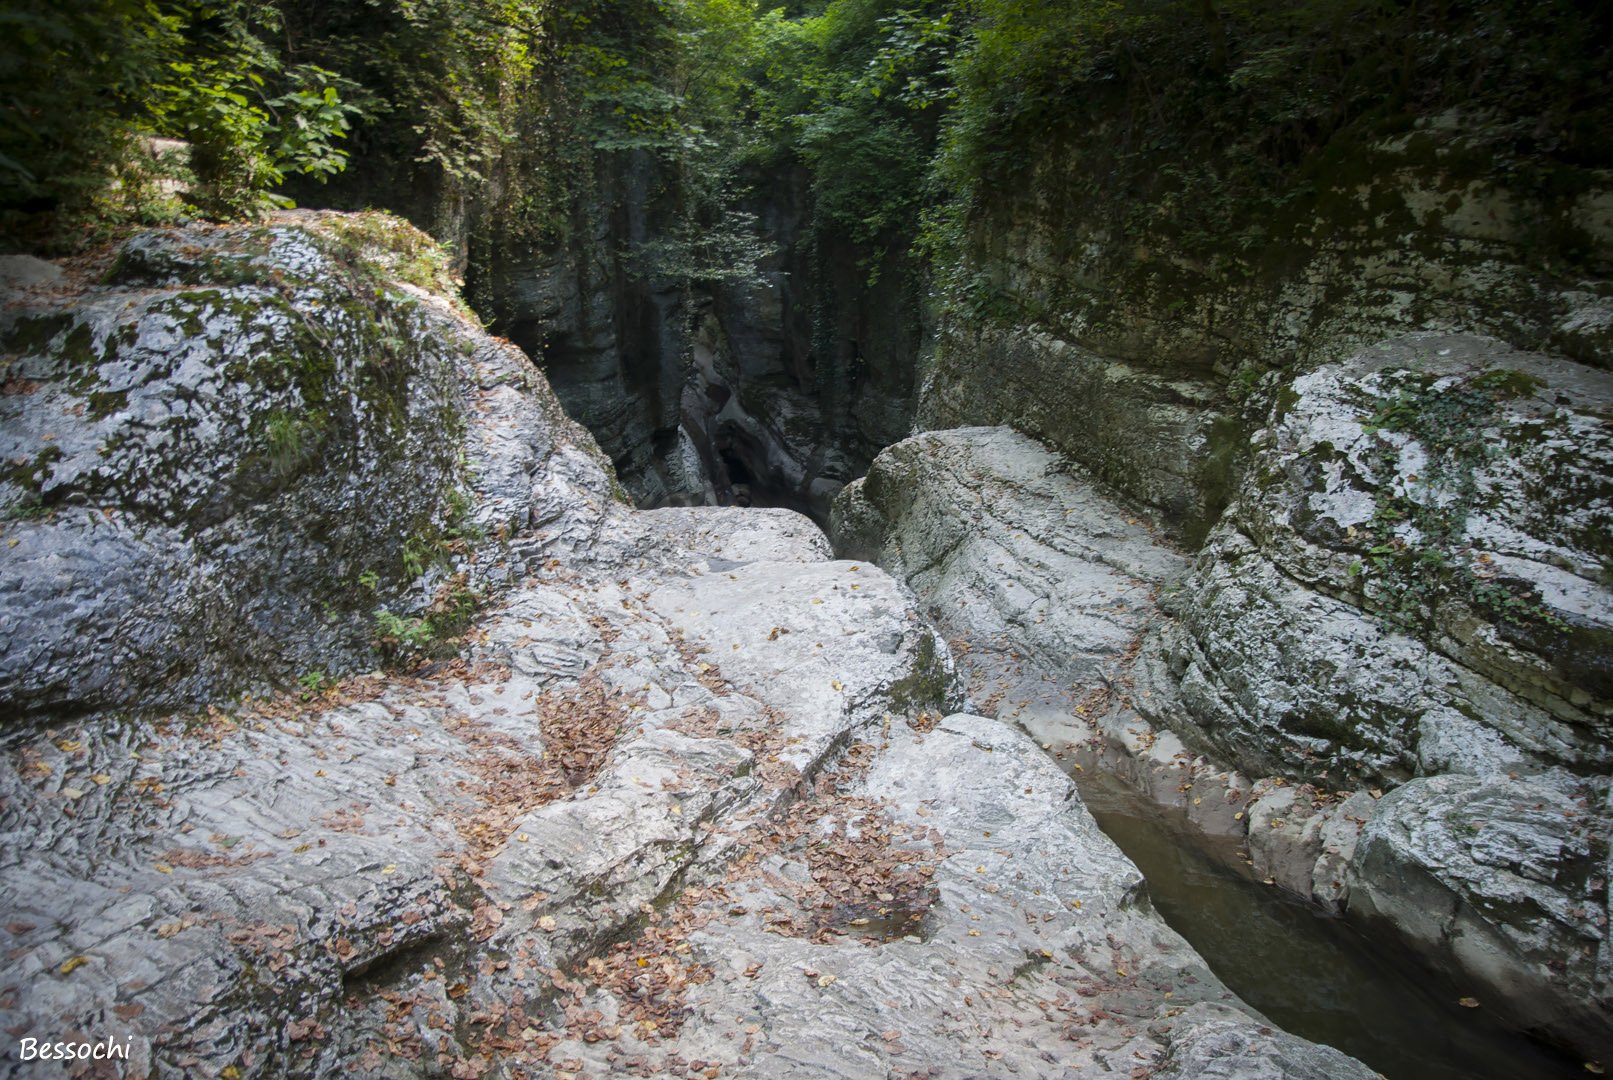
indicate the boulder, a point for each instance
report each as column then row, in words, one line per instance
column 1287, row 691
column 1011, row 548
column 224, row 455
column 1502, row 882
column 1421, row 540
column 683, row 800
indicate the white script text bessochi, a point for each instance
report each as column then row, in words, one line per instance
column 107, row 1049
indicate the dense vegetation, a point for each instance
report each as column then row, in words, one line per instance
column 1213, row 114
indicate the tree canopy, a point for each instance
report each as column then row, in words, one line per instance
column 898, row 109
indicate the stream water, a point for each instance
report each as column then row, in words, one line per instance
column 1312, row 974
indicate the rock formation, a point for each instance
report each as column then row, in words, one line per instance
column 690, row 796
column 1408, row 592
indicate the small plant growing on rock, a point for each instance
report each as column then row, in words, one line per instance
column 1418, row 550
column 313, row 683
column 399, row 637
column 403, row 638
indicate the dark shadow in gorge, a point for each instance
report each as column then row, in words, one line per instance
column 774, row 391
column 1313, row 975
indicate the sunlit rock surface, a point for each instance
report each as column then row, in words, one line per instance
column 223, row 451
column 684, row 800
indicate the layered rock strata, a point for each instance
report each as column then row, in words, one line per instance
column 690, row 797
column 1381, row 673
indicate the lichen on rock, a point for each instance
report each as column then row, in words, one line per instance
column 224, row 456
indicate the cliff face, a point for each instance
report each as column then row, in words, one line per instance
column 1379, row 418
column 1129, row 334
column 772, row 390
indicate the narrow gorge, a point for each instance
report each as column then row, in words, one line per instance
column 829, row 539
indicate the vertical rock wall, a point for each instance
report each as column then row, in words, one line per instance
column 1135, row 349
column 774, row 391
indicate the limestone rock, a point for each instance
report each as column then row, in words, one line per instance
column 1010, row 547
column 1163, row 439
column 1208, row 1046
column 674, row 776
column 403, row 876
column 1497, row 880
column 221, row 460
column 1420, row 539
column 1277, row 665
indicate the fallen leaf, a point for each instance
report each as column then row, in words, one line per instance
column 72, row 965
column 1468, row 1002
column 547, row 924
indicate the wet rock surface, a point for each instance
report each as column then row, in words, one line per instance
column 685, row 801
column 1411, row 585
column 1504, row 876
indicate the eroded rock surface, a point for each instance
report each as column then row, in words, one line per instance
column 1503, row 874
column 683, row 802
column 1420, row 547
column 1296, row 684
column 221, row 458
column 1412, row 584
column 1015, row 552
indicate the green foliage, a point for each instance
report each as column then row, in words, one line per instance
column 399, row 636
column 85, row 85
column 291, row 439
column 855, row 93
column 1416, row 550
column 387, row 248
column 313, row 684
column 417, row 555
column 444, row 82
column 60, row 142
column 451, row 613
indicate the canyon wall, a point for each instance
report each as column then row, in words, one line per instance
column 774, row 388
